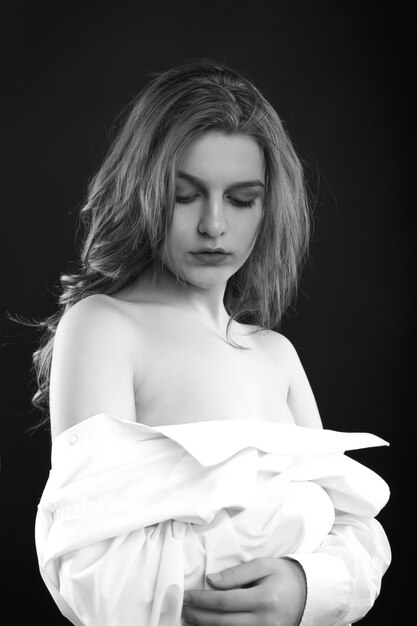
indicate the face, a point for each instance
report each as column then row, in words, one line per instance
column 219, row 205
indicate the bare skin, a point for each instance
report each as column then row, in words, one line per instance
column 136, row 353
column 275, row 596
column 159, row 355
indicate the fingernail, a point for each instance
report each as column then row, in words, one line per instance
column 216, row 578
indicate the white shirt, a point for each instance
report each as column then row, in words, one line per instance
column 131, row 516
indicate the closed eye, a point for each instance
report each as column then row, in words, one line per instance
column 243, row 203
column 235, row 201
column 185, row 199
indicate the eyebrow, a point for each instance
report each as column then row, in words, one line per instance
column 239, row 184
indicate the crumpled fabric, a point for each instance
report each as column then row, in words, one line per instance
column 132, row 515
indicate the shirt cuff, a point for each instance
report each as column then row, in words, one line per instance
column 329, row 589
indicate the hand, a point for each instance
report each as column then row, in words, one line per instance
column 274, row 595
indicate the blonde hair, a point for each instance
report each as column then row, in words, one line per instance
column 130, row 203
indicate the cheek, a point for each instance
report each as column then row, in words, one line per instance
column 177, row 243
column 248, row 230
column 181, row 228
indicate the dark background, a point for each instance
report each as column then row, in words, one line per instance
column 338, row 74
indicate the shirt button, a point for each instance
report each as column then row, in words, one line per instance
column 73, row 439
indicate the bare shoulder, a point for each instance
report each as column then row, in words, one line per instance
column 92, row 363
column 282, row 354
column 273, row 343
column 100, row 323
column 94, row 313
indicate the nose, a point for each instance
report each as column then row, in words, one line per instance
column 212, row 220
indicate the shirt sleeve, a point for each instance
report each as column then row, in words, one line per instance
column 115, row 528
column 344, row 574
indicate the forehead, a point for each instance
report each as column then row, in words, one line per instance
column 221, row 158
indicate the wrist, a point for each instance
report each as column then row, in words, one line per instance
column 300, row 587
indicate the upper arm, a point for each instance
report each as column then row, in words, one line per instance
column 300, row 399
column 92, row 365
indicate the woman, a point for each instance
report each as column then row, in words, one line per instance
column 176, row 406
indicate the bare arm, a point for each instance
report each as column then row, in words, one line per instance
column 300, row 398
column 92, row 365
column 336, row 584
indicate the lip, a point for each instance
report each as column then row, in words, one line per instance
column 210, row 256
column 211, row 251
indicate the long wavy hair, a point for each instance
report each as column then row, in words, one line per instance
column 130, row 202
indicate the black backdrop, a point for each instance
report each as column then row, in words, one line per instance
column 337, row 73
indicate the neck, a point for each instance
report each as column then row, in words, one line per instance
column 207, row 303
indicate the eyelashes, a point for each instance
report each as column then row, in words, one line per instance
column 234, row 201
column 243, row 203
column 184, row 199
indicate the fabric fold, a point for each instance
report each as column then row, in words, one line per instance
column 132, row 515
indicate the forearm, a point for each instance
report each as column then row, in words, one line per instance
column 344, row 575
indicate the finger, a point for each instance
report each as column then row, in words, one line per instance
column 201, row 617
column 223, row 601
column 240, row 575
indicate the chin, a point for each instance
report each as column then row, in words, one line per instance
column 208, row 278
